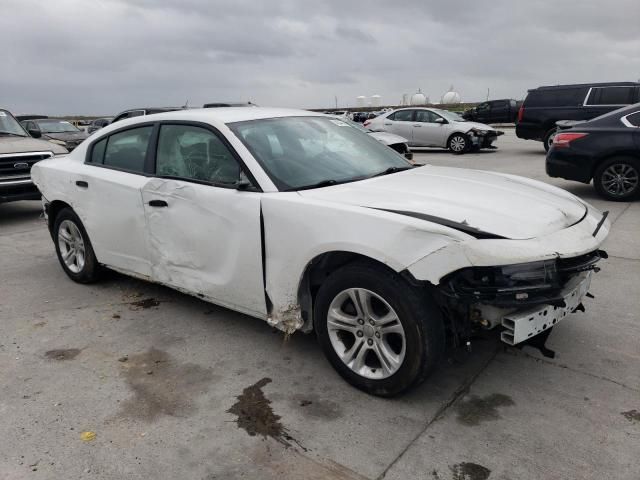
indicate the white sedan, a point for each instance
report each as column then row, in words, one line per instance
column 433, row 127
column 310, row 224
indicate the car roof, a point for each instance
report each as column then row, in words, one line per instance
column 578, row 85
column 230, row 114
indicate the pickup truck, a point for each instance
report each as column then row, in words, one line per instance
column 18, row 153
column 494, row 111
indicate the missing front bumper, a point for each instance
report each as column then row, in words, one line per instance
column 522, row 325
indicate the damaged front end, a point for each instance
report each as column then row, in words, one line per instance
column 524, row 299
column 484, row 138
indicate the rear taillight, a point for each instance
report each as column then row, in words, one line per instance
column 366, row 123
column 564, row 139
column 520, row 113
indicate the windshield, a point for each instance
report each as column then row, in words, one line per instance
column 450, row 116
column 356, row 125
column 303, row 152
column 56, row 126
column 9, row 125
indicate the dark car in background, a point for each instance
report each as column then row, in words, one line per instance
column 544, row 106
column 98, row 123
column 605, row 149
column 55, row 131
column 138, row 112
column 494, row 111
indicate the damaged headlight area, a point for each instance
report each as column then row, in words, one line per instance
column 520, row 284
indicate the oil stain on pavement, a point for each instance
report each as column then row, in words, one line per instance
column 256, row 417
column 469, row 471
column 632, row 415
column 476, row 409
column 161, row 385
column 62, row 354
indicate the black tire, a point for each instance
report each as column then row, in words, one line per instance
column 548, row 138
column 629, row 167
column 459, row 143
column 91, row 268
column 416, row 311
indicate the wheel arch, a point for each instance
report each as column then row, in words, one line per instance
column 323, row 265
column 609, row 155
column 53, row 209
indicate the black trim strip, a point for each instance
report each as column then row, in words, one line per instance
column 461, row 227
column 604, row 217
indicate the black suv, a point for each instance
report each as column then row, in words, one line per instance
column 544, row 106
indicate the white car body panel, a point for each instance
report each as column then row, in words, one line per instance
column 221, row 260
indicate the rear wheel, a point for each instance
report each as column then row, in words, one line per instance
column 618, row 179
column 548, row 138
column 458, row 143
column 381, row 334
column 73, row 248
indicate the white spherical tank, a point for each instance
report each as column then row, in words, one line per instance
column 376, row 100
column 419, row 98
column 451, row 96
column 361, row 101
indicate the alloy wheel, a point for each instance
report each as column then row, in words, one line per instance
column 458, row 143
column 72, row 249
column 620, row 179
column 366, row 333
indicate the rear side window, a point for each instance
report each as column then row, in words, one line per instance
column 611, row 96
column 634, row 119
column 401, row 116
column 127, row 150
column 556, row 97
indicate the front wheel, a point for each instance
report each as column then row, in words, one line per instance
column 381, row 334
column 618, row 179
column 74, row 249
column 458, row 143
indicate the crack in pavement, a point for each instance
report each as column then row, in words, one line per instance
column 581, row 372
column 460, row 392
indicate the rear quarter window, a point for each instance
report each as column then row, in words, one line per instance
column 611, row 96
column 556, row 97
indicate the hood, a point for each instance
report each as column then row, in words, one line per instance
column 479, row 126
column 388, row 138
column 28, row 144
column 483, row 204
column 67, row 136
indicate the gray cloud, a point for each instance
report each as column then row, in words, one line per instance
column 74, row 56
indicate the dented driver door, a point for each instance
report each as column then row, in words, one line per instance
column 204, row 234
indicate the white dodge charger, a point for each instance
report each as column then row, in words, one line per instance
column 310, row 224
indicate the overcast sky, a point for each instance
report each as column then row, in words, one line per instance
column 103, row 56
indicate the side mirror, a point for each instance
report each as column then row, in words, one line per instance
column 243, row 185
column 441, row 121
column 35, row 133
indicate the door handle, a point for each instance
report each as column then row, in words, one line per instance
column 82, row 184
column 388, row 124
column 417, row 125
column 158, row 203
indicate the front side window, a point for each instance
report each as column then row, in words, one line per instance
column 127, row 150
column 194, row 153
column 401, row 116
column 426, row 116
column 303, row 152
